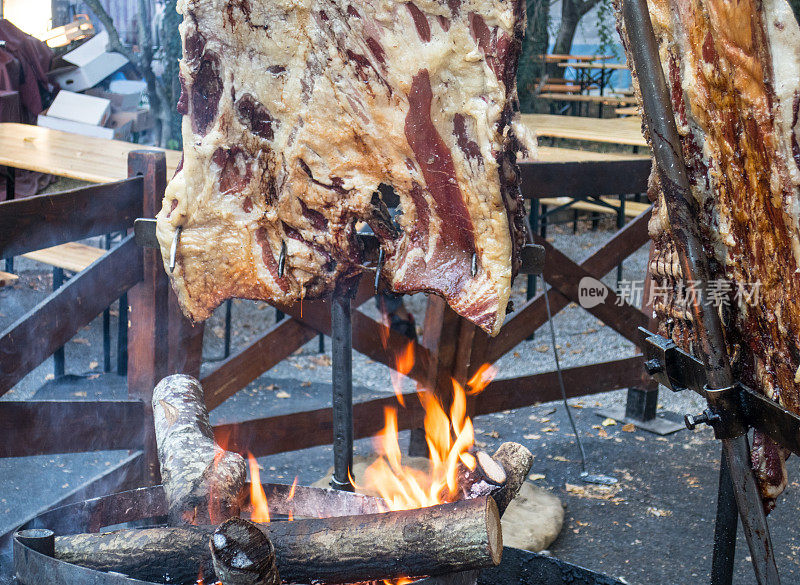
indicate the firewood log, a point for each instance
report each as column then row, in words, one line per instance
column 243, row 555
column 428, row 541
column 516, row 461
column 203, row 483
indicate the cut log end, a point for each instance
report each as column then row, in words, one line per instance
column 492, row 471
column 243, row 555
column 494, row 531
column 516, row 461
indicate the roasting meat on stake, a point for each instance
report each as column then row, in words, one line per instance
column 302, row 119
column 733, row 69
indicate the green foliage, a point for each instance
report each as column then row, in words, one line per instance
column 169, row 53
column 534, row 45
column 606, row 28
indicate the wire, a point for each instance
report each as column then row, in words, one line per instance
column 546, row 293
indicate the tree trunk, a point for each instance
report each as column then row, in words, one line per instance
column 571, row 13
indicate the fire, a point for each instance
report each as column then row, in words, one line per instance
column 258, row 499
column 449, row 440
column 405, row 361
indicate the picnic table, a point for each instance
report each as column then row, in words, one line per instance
column 95, row 160
column 623, row 131
column 558, row 57
column 587, row 74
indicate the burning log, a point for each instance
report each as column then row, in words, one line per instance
column 243, row 555
column 202, row 482
column 427, row 541
column 516, row 461
column 500, row 476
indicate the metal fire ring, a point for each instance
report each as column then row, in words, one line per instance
column 148, row 506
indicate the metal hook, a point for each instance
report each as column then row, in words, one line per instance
column 173, row 250
column 379, row 270
column 474, row 265
column 282, row 259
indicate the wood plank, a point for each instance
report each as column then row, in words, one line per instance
column 609, row 66
column 53, row 322
column 240, row 369
column 85, row 158
column 584, row 179
column 117, row 478
column 69, row 426
column 556, row 154
column 592, row 99
column 632, row 208
column 566, row 276
column 301, row 430
column 6, row 278
column 578, row 381
column 72, row 256
column 533, row 315
column 625, row 131
column 43, row 221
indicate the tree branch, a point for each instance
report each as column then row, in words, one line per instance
column 586, row 6
column 113, row 36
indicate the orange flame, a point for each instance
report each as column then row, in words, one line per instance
column 258, row 499
column 481, row 379
column 404, row 363
column 449, row 440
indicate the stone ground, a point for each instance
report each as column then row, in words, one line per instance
column 654, row 526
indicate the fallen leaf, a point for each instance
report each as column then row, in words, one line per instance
column 49, row 377
column 493, row 434
column 273, row 387
column 658, row 513
column 516, row 354
column 602, row 433
column 282, row 394
column 575, row 489
column 219, row 332
column 549, row 429
column 560, row 458
column 93, row 377
column 82, row 394
column 81, row 340
column 609, row 422
column 532, row 437
column 93, row 365
column 305, row 384
column 536, row 476
column 322, row 360
column 542, row 348
column 629, row 428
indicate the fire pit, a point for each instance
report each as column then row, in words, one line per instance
column 34, row 563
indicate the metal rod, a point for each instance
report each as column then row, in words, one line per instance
column 724, row 528
column 660, row 121
column 227, row 342
column 342, row 363
column 59, row 359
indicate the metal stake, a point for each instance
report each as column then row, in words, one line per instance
column 660, row 120
column 342, row 364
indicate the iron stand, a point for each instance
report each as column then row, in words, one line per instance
column 342, row 372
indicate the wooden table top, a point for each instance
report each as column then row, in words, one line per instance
column 625, row 131
column 555, row 57
column 552, row 154
column 614, row 66
column 96, row 160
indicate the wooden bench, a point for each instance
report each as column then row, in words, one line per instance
column 73, row 256
column 627, row 111
column 620, row 131
column 632, row 208
column 76, row 257
column 6, row 278
column 600, row 100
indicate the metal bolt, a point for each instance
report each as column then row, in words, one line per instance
column 653, row 366
column 707, row 417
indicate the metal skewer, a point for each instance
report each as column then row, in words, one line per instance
column 660, row 120
column 342, row 373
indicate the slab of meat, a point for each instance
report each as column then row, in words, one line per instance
column 733, row 68
column 303, row 118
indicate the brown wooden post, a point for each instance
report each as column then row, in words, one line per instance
column 161, row 340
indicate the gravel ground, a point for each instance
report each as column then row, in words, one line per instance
column 655, row 526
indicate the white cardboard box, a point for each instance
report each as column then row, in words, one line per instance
column 120, row 102
column 122, row 132
column 78, row 107
column 87, row 65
